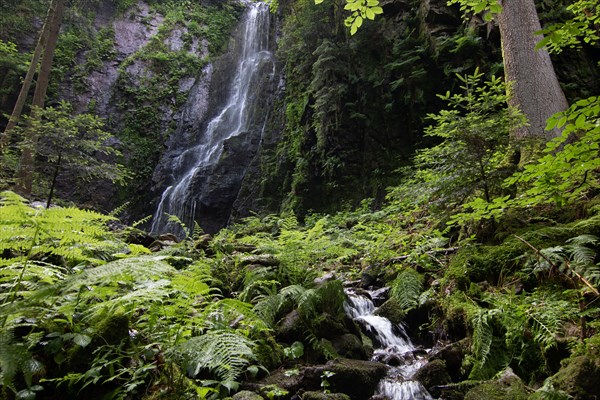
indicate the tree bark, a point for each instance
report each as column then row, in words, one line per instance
column 25, row 173
column 41, row 87
column 534, row 87
column 35, row 60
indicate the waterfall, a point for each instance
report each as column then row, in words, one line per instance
column 238, row 118
column 392, row 344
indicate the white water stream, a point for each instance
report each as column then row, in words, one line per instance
column 392, row 343
column 180, row 198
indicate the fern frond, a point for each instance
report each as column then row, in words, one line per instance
column 143, row 294
column 583, row 240
column 224, row 353
column 226, row 311
column 268, row 308
column 407, row 288
column 288, row 223
column 141, row 221
column 482, row 335
column 15, row 359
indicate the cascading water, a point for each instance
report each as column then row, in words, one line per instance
column 191, row 169
column 392, row 344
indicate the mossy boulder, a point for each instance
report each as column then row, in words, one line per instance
column 433, row 374
column 269, row 353
column 350, row 346
column 452, row 356
column 580, row 377
column 508, row 387
column 356, row 378
column 391, row 310
column 324, row 396
column 247, row 395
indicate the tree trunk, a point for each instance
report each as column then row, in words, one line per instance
column 534, row 86
column 54, row 178
column 41, row 87
column 35, row 60
column 25, row 173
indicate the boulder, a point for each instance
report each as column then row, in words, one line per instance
column 432, row 375
column 265, row 260
column 391, row 310
column 356, row 378
column 508, row 387
column 350, row 346
column 324, row 396
column 453, row 355
column 291, row 328
column 579, row 377
column 247, row 395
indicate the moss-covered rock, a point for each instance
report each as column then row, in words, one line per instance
column 269, row 353
column 580, row 377
column 391, row 310
column 508, row 387
column 324, row 396
column 452, row 356
column 350, row 346
column 434, row 373
column 247, row 395
column 357, row 378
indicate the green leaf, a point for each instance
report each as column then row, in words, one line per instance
column 580, row 122
column 82, row 340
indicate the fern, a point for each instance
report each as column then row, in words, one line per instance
column 482, row 335
column 407, row 288
column 224, row 353
column 77, row 235
column 15, row 359
column 228, row 311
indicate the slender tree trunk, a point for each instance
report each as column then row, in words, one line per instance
column 25, row 173
column 41, row 87
column 35, row 60
column 534, row 86
column 54, row 178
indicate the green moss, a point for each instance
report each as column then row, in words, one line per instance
column 269, row 353
column 507, row 387
column 113, row 329
column 324, row 396
column 479, row 263
column 579, row 377
column 392, row 310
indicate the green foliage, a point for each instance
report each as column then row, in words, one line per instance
column 360, row 10
column 225, row 353
column 407, row 288
column 75, row 235
column 569, row 168
column 575, row 259
column 469, row 162
column 569, row 34
column 567, row 171
column 75, row 145
column 514, row 330
column 489, row 7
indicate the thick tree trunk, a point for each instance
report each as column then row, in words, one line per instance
column 534, row 86
column 25, row 173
